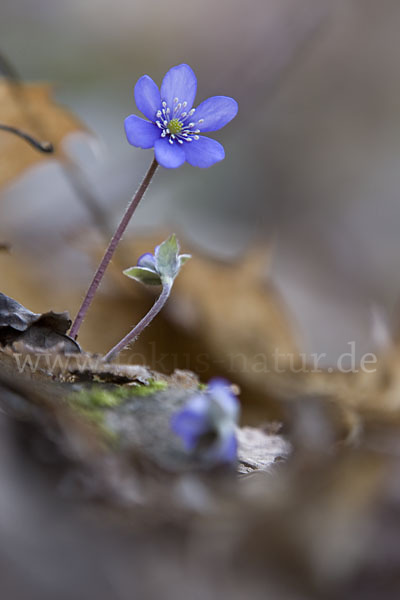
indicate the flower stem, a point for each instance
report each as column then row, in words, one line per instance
column 98, row 276
column 137, row 330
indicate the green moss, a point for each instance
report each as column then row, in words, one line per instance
column 152, row 387
column 94, row 416
column 99, row 397
column 92, row 402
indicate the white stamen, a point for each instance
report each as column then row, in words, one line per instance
column 188, row 133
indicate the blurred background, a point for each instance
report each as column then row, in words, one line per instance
column 295, row 234
column 295, row 249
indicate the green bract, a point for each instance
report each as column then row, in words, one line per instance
column 143, row 275
column 160, row 268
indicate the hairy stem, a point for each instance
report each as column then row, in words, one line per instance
column 98, row 276
column 137, row 330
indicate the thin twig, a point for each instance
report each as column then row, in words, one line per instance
column 45, row 147
column 72, row 172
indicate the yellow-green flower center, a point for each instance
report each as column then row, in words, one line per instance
column 175, row 126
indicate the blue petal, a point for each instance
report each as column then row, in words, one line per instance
column 188, row 427
column 147, row 97
column 220, row 391
column 204, row 152
column 225, row 450
column 169, row 155
column 216, row 112
column 218, row 382
column 141, row 133
column 147, row 261
column 192, row 422
column 180, row 82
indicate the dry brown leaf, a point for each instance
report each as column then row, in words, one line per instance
column 225, row 313
column 39, row 331
column 220, row 316
column 222, row 319
column 234, row 314
column 31, row 108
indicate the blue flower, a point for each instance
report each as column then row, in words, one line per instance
column 207, row 423
column 174, row 126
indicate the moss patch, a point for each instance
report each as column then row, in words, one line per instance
column 146, row 390
column 95, row 401
column 96, row 397
column 92, row 402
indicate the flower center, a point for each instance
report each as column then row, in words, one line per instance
column 176, row 123
column 175, row 126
